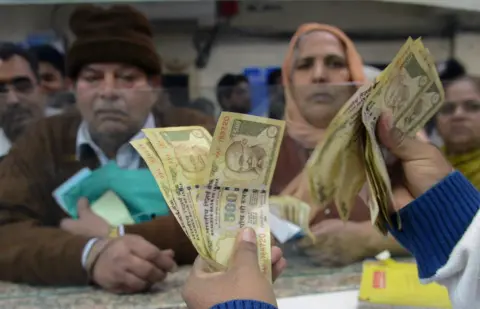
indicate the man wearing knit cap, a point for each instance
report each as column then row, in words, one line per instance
column 115, row 69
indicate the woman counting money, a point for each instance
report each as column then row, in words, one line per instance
column 321, row 72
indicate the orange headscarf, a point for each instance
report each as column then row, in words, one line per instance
column 298, row 127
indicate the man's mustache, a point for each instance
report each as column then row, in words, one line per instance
column 12, row 112
column 116, row 107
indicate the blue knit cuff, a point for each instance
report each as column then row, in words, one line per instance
column 244, row 304
column 434, row 223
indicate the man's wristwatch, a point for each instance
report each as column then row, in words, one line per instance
column 113, row 232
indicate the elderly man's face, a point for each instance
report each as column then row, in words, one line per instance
column 20, row 98
column 114, row 99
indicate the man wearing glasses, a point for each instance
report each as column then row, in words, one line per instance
column 20, row 98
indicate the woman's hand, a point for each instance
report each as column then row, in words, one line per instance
column 337, row 243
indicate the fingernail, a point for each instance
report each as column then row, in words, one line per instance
column 248, row 235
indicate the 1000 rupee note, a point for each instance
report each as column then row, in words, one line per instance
column 242, row 157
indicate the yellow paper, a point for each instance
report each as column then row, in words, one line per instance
column 112, row 209
column 398, row 284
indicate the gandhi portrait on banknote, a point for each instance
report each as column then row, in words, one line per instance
column 191, row 155
column 247, row 156
column 397, row 92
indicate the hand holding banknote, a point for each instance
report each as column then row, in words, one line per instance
column 350, row 156
column 242, row 279
column 419, row 165
column 217, row 186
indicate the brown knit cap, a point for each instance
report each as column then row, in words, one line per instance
column 117, row 34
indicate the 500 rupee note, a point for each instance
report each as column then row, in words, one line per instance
column 412, row 92
column 184, row 154
column 156, row 166
column 242, row 157
column 338, row 160
column 294, row 210
column 350, row 154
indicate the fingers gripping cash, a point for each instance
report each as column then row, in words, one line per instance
column 217, row 186
column 350, row 156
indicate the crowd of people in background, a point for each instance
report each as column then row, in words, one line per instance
column 61, row 113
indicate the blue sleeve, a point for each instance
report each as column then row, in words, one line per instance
column 435, row 222
column 244, row 304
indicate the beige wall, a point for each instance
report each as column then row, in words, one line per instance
column 234, row 54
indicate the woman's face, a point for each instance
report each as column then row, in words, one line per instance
column 458, row 120
column 319, row 76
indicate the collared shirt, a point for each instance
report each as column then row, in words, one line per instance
column 5, row 143
column 127, row 157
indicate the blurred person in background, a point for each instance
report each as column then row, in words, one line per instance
column 276, row 94
column 448, row 71
column 321, row 72
column 204, row 105
column 116, row 72
column 21, row 101
column 371, row 72
column 458, row 124
column 233, row 93
column 53, row 81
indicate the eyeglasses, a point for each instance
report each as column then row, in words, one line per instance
column 449, row 108
column 21, row 85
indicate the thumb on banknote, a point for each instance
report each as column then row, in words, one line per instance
column 396, row 142
column 245, row 254
column 420, row 165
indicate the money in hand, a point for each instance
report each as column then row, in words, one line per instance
column 217, row 186
column 350, row 156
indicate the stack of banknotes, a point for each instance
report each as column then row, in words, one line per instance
column 350, row 156
column 216, row 186
column 296, row 215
